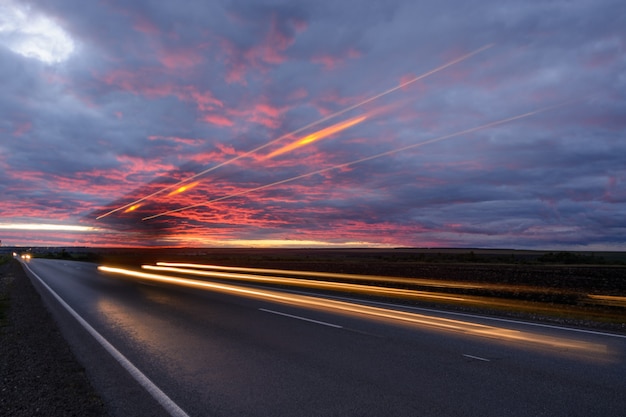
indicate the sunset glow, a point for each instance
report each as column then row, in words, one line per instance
column 358, row 161
column 258, row 123
column 47, row 227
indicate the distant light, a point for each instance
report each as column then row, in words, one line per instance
column 48, row 227
column 31, row 34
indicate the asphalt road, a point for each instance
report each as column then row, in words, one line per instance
column 199, row 352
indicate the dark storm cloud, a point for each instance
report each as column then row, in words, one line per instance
column 157, row 91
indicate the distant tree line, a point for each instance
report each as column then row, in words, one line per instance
column 569, row 258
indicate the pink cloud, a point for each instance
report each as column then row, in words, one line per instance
column 135, row 165
column 218, row 119
column 270, row 51
column 225, row 152
column 327, row 61
column 143, row 83
column 204, row 100
column 185, row 141
column 330, row 62
column 264, row 114
column 180, row 58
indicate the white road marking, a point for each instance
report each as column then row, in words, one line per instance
column 476, row 357
column 302, row 318
column 170, row 406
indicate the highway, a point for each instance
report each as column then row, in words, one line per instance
column 157, row 347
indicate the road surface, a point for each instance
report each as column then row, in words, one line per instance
column 165, row 349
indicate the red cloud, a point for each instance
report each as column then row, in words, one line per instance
column 268, row 52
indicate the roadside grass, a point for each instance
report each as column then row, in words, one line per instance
column 4, row 307
column 4, row 293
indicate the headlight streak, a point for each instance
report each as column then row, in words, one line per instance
column 371, row 289
column 368, row 158
column 320, row 285
column 297, row 131
column 612, row 300
column 355, row 277
column 520, row 338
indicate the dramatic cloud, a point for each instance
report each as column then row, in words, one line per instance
column 303, row 123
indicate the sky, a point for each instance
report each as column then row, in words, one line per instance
column 433, row 123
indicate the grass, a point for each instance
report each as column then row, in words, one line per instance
column 4, row 296
column 4, row 307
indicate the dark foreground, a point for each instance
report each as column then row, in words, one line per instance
column 39, row 374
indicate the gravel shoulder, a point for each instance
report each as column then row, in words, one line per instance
column 39, row 373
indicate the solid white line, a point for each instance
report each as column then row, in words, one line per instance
column 476, row 357
column 170, row 406
column 302, row 318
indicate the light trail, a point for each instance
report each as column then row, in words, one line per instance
column 315, row 136
column 368, row 158
column 503, row 302
column 320, row 285
column 355, row 277
column 612, row 300
column 295, row 132
column 520, row 338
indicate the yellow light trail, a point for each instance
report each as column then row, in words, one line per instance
column 320, row 285
column 612, row 300
column 334, row 275
column 370, row 286
column 315, row 136
column 368, row 158
column 521, row 338
column 295, row 132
